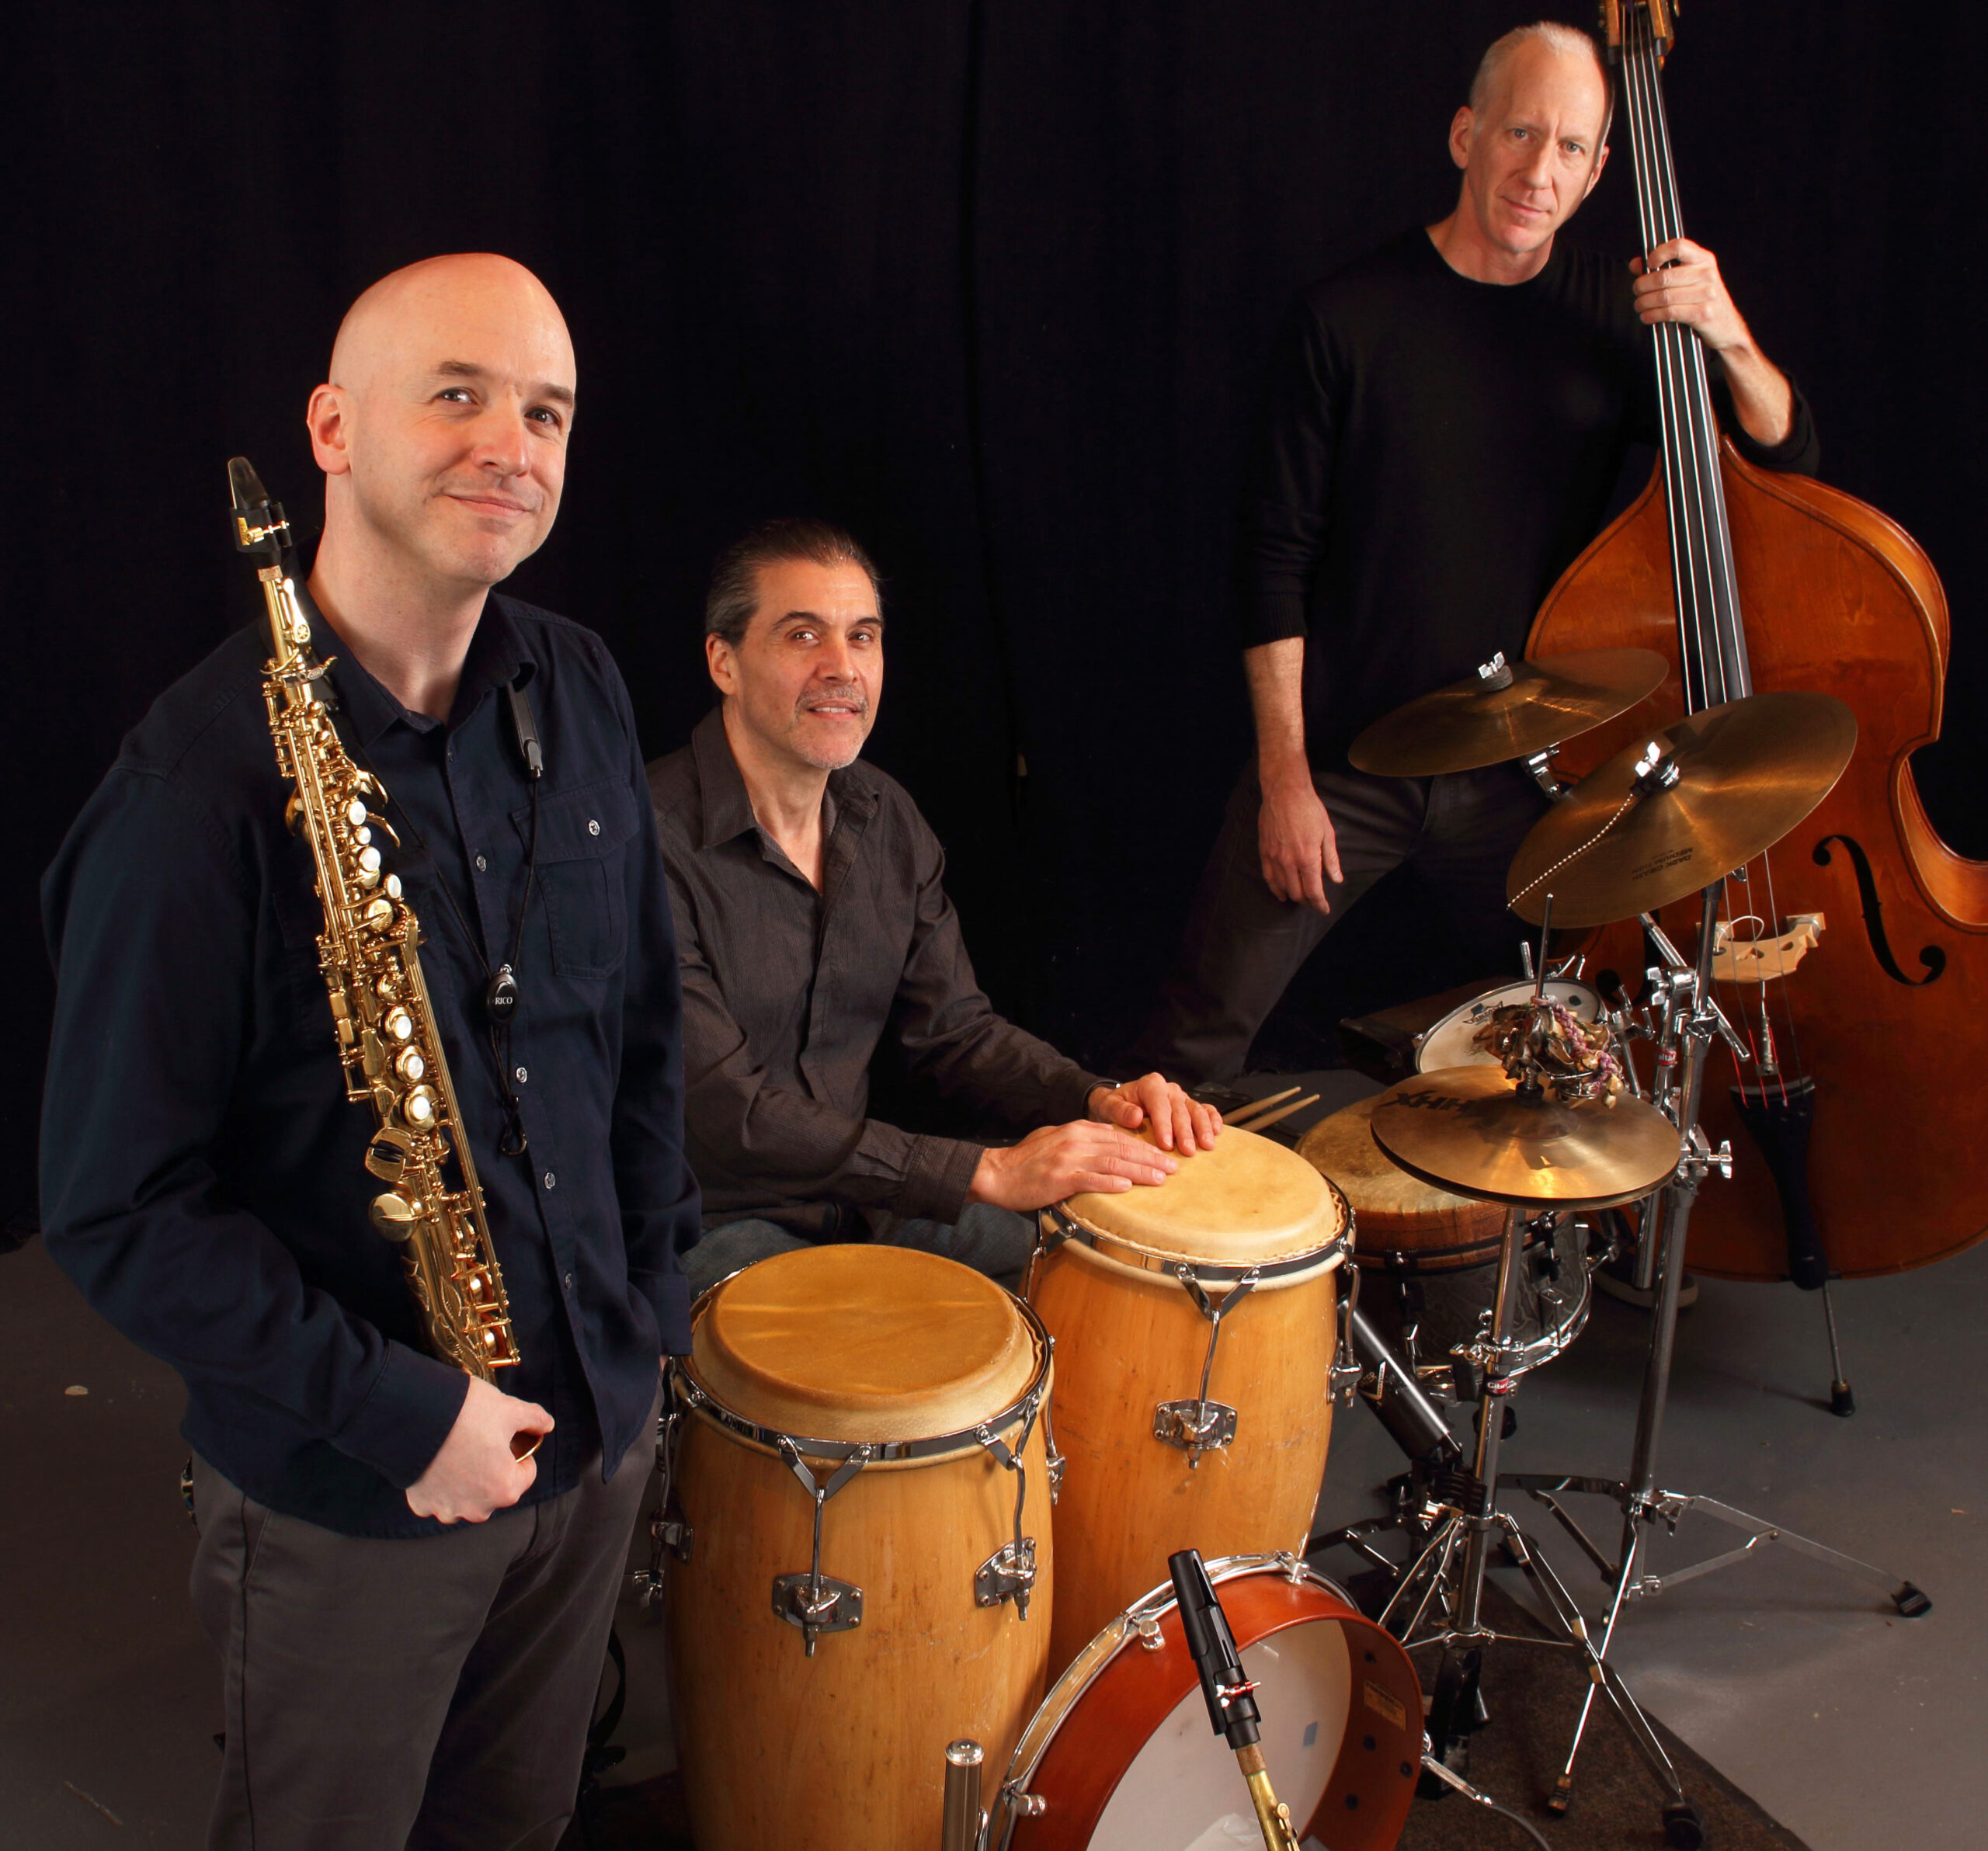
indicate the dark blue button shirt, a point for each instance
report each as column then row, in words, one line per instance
column 202, row 1173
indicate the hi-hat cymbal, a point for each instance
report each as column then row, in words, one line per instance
column 1522, row 709
column 1728, row 783
column 1470, row 1130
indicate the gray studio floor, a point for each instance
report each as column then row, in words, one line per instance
column 1859, row 1731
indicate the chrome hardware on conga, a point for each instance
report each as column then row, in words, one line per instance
column 1195, row 1369
column 854, row 1541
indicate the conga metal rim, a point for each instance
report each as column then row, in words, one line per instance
column 1064, row 1225
column 1060, row 1704
column 694, row 1396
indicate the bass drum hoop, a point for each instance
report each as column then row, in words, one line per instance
column 1090, row 1664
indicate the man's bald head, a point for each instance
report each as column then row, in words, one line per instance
column 437, row 296
column 442, row 428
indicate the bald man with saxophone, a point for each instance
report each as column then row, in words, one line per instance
column 408, row 1561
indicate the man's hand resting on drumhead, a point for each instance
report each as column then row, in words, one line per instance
column 476, row 1471
column 1066, row 1160
column 1176, row 1122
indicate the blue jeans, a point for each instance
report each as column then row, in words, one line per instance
column 994, row 1240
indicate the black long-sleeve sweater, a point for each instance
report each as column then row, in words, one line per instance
column 1434, row 454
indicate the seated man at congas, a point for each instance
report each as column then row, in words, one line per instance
column 812, row 921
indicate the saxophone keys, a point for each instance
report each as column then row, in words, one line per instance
column 396, row 1216
column 410, row 1065
column 399, row 1023
column 293, row 814
column 387, row 1152
column 378, row 911
column 420, row 1107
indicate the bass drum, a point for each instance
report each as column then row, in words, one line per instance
column 1120, row 1757
column 1451, row 1040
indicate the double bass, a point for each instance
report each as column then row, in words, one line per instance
column 1856, row 1125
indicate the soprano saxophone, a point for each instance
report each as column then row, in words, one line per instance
column 387, row 1042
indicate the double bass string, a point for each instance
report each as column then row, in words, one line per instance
column 1703, row 572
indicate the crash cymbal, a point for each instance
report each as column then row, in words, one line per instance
column 1468, row 1129
column 1721, row 786
column 1511, row 712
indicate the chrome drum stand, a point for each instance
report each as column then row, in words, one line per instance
column 1437, row 1598
column 1689, row 1018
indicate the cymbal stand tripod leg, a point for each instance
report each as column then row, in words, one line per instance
column 1691, row 1020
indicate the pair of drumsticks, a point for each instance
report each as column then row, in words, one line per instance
column 1245, row 1117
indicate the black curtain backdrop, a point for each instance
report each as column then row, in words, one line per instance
column 992, row 283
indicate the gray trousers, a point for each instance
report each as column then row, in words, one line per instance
column 426, row 1692
column 1242, row 945
column 994, row 1240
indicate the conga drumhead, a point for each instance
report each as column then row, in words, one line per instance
column 853, row 1342
column 1451, row 1039
column 1394, row 1212
column 1122, row 1755
column 1246, row 1202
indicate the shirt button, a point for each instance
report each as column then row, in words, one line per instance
column 551, row 1181
column 482, row 866
column 521, row 1076
column 569, row 1282
column 593, row 826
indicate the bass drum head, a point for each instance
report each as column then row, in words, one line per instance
column 1451, row 1039
column 1182, row 1788
column 1121, row 1756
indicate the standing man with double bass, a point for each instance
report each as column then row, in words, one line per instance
column 1443, row 421
column 412, row 1618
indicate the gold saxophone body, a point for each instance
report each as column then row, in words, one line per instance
column 387, row 1043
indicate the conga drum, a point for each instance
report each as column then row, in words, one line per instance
column 859, row 1504
column 1195, row 1326
column 1404, row 1225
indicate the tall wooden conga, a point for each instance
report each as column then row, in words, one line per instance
column 859, row 1462
column 1195, row 1326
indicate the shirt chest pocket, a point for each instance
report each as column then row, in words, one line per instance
column 583, row 835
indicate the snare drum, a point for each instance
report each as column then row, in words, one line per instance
column 1404, row 1225
column 1451, row 1040
column 1195, row 1326
column 1120, row 1757
column 858, row 1473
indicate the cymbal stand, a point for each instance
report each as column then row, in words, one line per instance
column 1691, row 1018
column 1444, row 1580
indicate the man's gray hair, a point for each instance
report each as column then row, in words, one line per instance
column 1568, row 41
column 734, row 595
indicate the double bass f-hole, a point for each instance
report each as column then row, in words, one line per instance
column 1930, row 956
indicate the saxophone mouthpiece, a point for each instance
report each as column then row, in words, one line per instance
column 245, row 486
column 259, row 526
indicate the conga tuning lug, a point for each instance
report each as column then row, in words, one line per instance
column 818, row 1604
column 1195, row 1427
column 1009, row 1574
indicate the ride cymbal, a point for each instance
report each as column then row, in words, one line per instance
column 1468, row 1129
column 1670, row 815
column 1511, row 712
